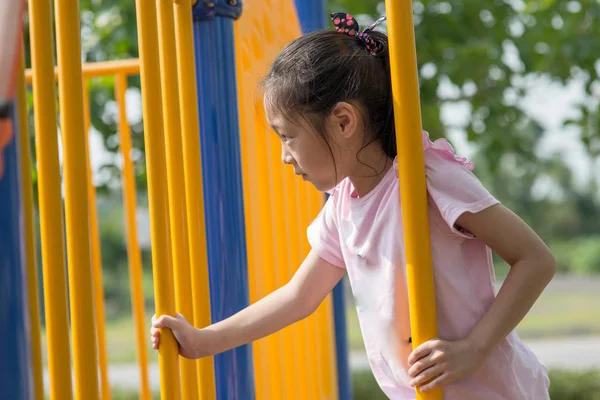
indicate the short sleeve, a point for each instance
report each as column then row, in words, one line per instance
column 452, row 186
column 324, row 237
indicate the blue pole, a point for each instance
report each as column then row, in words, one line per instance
column 222, row 177
column 15, row 367
column 313, row 16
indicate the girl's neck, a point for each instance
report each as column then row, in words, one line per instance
column 371, row 169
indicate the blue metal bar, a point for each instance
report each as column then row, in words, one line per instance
column 341, row 342
column 313, row 16
column 15, row 364
column 222, row 178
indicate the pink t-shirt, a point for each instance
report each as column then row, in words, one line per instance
column 365, row 236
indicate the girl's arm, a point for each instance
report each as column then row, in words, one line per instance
column 532, row 268
column 296, row 300
column 440, row 362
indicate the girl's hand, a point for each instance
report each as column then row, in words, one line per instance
column 192, row 342
column 439, row 362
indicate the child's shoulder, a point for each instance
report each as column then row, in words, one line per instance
column 441, row 150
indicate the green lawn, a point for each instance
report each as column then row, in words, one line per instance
column 556, row 314
column 120, row 342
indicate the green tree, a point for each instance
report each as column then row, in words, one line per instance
column 464, row 45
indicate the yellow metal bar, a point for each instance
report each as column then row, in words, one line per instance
column 272, row 242
column 157, row 193
column 194, row 192
column 254, row 253
column 251, row 142
column 28, row 223
column 176, row 182
column 50, row 201
column 279, row 244
column 310, row 322
column 324, row 318
column 96, row 256
column 316, row 356
column 306, row 379
column 411, row 168
column 133, row 250
column 103, row 68
column 76, row 199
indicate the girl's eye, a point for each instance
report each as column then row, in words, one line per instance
column 284, row 138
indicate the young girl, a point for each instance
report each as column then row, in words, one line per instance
column 328, row 97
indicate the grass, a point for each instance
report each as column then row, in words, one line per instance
column 556, row 314
column 120, row 342
column 564, row 385
column 563, row 314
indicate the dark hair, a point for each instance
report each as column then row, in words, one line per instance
column 318, row 70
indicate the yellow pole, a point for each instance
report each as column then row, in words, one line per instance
column 157, row 193
column 248, row 144
column 175, row 182
column 293, row 339
column 305, row 378
column 133, row 250
column 411, row 168
column 324, row 317
column 50, row 201
column 272, row 235
column 32, row 274
column 194, row 192
column 279, row 244
column 96, row 256
column 310, row 322
column 76, row 199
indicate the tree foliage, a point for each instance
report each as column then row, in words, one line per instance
column 477, row 55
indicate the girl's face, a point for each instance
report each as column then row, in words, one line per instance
column 304, row 149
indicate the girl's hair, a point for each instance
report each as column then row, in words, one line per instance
column 316, row 71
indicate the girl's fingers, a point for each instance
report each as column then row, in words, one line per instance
column 420, row 366
column 437, row 382
column 427, row 375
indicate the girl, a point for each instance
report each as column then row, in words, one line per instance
column 328, row 97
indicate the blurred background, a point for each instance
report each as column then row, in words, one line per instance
column 513, row 85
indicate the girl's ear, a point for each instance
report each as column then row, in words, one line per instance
column 343, row 120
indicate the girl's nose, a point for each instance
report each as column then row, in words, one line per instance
column 286, row 157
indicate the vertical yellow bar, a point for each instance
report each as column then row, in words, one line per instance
column 328, row 340
column 29, row 226
column 50, row 201
column 273, row 241
column 411, row 168
column 298, row 247
column 280, row 246
column 176, row 182
column 133, row 250
column 324, row 317
column 256, row 267
column 96, row 256
column 157, row 193
column 315, row 346
column 252, row 140
column 76, row 199
column 194, row 192
column 310, row 322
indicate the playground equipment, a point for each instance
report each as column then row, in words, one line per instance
column 216, row 189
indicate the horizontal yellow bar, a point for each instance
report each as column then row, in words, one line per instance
column 92, row 70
